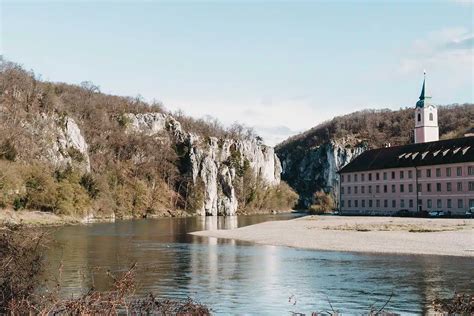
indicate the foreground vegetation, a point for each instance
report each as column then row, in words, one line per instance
column 131, row 175
column 21, row 264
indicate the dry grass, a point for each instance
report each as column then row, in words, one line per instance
column 21, row 261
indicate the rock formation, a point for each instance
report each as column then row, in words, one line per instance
column 212, row 161
column 315, row 169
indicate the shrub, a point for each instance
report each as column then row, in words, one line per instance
column 8, row 150
column 90, row 185
column 323, row 203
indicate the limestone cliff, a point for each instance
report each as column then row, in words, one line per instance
column 309, row 170
column 212, row 162
column 59, row 141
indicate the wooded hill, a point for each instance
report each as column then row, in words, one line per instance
column 117, row 183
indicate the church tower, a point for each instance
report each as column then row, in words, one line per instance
column 426, row 118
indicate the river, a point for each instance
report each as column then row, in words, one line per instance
column 242, row 278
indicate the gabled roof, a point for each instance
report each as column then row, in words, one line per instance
column 423, row 154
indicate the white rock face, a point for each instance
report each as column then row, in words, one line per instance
column 62, row 142
column 317, row 168
column 210, row 160
column 338, row 156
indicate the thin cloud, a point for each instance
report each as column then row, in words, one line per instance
column 463, row 43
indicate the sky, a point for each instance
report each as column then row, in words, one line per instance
column 280, row 67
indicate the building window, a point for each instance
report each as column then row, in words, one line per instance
column 342, row 203
column 410, row 203
column 459, row 186
column 377, row 189
column 428, row 173
column 471, row 203
column 402, row 174
column 419, row 117
column 418, row 173
column 460, row 204
column 402, row 203
column 448, row 187
column 471, row 185
column 355, row 178
column 438, row 172
column 459, row 171
column 348, row 178
column 393, row 175
column 419, row 187
column 348, row 190
column 470, row 170
column 342, row 190
column 410, row 187
column 362, row 189
column 362, row 177
column 370, row 176
column 439, row 203
column 377, row 203
column 420, row 202
column 370, row 189
column 355, row 189
column 431, row 116
column 394, row 203
column 393, row 188
column 385, row 176
column 385, row 188
column 449, row 203
column 377, row 176
column 342, row 178
column 356, row 203
column 402, row 188
column 370, row 203
column 438, row 187
column 430, row 204
column 349, row 203
column 363, row 203
column 385, row 203
column 410, row 174
column 448, row 172
column 428, row 187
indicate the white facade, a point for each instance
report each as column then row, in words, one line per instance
column 426, row 124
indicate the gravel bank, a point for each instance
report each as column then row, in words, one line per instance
column 447, row 237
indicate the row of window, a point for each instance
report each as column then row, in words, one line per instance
column 408, row 173
column 401, row 204
column 428, row 188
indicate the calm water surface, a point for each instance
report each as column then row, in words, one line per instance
column 241, row 278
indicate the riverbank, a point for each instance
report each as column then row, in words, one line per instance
column 447, row 237
column 39, row 218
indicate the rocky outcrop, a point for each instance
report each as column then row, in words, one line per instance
column 212, row 162
column 309, row 170
column 60, row 141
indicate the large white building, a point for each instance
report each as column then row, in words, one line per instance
column 429, row 175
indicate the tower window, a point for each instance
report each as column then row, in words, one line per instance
column 419, row 117
column 431, row 116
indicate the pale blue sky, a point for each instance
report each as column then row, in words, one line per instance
column 279, row 66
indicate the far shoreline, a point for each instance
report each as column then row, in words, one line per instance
column 37, row 219
column 370, row 235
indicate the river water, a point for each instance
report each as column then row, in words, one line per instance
column 242, row 278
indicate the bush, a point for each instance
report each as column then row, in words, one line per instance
column 8, row 150
column 323, row 203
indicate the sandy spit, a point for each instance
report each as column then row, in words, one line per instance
column 446, row 237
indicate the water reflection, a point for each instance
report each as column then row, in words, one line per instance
column 235, row 277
